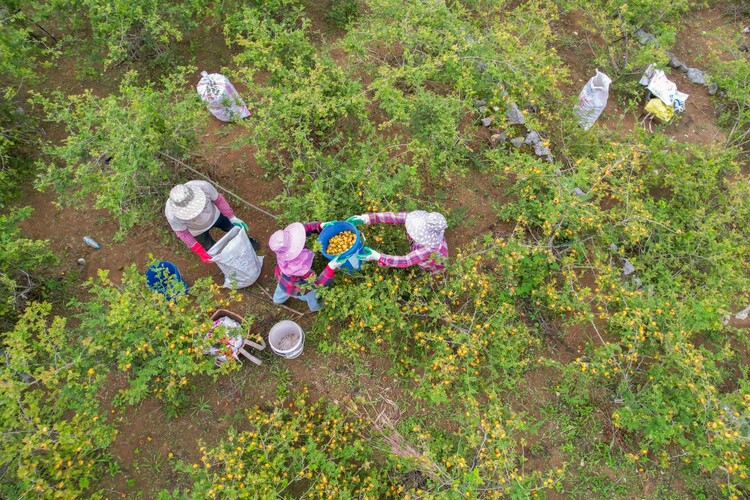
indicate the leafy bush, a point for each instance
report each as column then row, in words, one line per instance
column 113, row 155
column 457, row 333
column 428, row 72
column 54, row 441
column 124, row 30
column 21, row 263
column 296, row 450
column 19, row 55
column 158, row 343
column 311, row 103
column 342, row 12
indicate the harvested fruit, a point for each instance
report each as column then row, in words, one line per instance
column 341, row 243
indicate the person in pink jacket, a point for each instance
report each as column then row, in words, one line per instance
column 196, row 207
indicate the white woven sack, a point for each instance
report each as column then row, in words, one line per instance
column 235, row 256
column 221, row 98
column 593, row 99
column 663, row 88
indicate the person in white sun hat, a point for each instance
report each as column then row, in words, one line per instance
column 426, row 230
column 193, row 209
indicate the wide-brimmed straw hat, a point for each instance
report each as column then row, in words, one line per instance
column 186, row 202
column 287, row 243
column 426, row 228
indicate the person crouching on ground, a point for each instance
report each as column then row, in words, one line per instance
column 294, row 265
column 196, row 207
column 426, row 231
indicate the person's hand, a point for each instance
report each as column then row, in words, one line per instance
column 236, row 221
column 338, row 262
column 198, row 249
column 358, row 219
column 368, row 254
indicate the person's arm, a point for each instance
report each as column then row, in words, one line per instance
column 193, row 244
column 223, row 206
column 325, row 277
column 313, row 227
column 410, row 259
column 186, row 237
column 386, row 218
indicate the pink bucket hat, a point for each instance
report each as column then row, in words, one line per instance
column 287, row 243
column 426, row 228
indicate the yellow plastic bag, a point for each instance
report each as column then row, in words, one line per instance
column 660, row 110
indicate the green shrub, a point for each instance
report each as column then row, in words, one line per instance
column 113, row 154
column 296, row 450
column 158, row 343
column 22, row 263
column 54, row 441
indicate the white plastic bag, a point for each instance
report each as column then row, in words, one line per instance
column 221, row 98
column 663, row 88
column 235, row 256
column 592, row 100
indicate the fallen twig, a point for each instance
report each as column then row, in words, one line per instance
column 184, row 165
column 270, row 299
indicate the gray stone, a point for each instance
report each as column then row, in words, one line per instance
column 696, row 76
column 517, row 141
column 482, row 109
column 486, row 122
column 712, row 88
column 497, row 138
column 558, row 172
column 627, row 267
column 676, row 63
column 480, row 102
column 514, row 115
column 644, row 37
column 638, row 282
column 613, row 247
column 482, row 66
column 578, row 192
column 541, row 150
column 532, row 138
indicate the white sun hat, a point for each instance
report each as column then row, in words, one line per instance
column 187, row 202
column 426, row 228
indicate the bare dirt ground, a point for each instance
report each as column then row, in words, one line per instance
column 697, row 124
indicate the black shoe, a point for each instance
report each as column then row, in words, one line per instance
column 255, row 244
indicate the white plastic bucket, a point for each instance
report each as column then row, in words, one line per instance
column 286, row 339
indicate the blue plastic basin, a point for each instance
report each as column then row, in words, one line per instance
column 328, row 232
column 164, row 277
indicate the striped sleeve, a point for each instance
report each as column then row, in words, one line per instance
column 386, row 218
column 414, row 257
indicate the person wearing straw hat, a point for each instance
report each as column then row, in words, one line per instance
column 426, row 231
column 196, row 207
column 294, row 265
